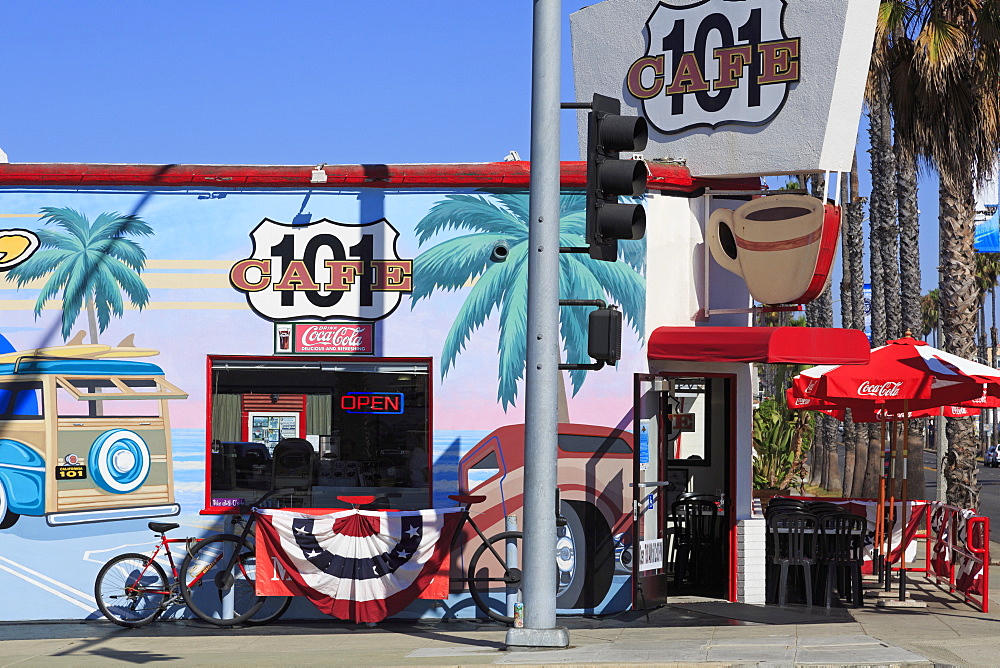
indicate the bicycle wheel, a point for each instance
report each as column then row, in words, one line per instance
column 274, row 607
column 131, row 590
column 215, row 592
column 488, row 567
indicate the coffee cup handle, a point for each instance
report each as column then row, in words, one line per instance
column 720, row 217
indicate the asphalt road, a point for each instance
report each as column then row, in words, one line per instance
column 989, row 478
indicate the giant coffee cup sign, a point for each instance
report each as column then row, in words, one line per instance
column 783, row 246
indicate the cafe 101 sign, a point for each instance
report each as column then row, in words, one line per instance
column 714, row 63
column 323, row 271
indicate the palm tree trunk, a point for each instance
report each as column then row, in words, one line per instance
column 882, row 213
column 856, row 248
column 909, row 269
column 846, row 321
column 92, row 319
column 958, row 325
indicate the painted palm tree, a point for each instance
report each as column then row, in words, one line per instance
column 497, row 218
column 92, row 264
column 941, row 57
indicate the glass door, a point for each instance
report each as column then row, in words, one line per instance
column 649, row 502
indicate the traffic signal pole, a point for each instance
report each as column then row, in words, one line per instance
column 541, row 379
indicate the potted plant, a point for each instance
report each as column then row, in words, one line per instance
column 781, row 441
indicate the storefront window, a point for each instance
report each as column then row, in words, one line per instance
column 321, row 429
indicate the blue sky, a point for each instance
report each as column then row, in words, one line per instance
column 294, row 82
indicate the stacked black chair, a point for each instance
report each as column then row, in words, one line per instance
column 841, row 551
column 697, row 538
column 794, row 542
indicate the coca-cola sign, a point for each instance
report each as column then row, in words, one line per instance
column 885, row 389
column 327, row 338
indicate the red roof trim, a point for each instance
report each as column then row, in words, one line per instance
column 668, row 178
column 779, row 345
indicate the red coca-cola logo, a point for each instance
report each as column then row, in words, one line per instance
column 886, row 389
column 334, row 338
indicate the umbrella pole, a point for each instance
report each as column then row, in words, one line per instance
column 877, row 561
column 902, row 511
column 890, row 493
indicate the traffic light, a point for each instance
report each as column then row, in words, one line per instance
column 604, row 335
column 608, row 177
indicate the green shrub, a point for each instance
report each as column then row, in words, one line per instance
column 781, row 440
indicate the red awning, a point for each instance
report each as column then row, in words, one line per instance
column 779, row 345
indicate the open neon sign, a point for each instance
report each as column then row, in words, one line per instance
column 385, row 403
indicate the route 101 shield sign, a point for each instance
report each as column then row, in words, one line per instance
column 323, row 270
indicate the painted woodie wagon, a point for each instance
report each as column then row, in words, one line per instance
column 84, row 440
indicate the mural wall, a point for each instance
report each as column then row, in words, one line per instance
column 126, row 294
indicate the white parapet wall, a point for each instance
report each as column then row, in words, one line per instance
column 751, row 544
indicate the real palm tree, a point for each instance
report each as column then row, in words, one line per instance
column 943, row 59
column 91, row 264
column 929, row 316
column 463, row 262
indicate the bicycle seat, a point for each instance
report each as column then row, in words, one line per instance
column 468, row 499
column 162, row 527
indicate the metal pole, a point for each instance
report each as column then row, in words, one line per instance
column 510, row 524
column 541, row 378
column 941, row 446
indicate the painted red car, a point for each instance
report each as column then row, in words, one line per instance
column 594, row 476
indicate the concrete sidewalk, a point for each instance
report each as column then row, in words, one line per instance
column 688, row 631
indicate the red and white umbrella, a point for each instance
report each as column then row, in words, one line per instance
column 903, row 378
column 870, row 414
column 904, row 375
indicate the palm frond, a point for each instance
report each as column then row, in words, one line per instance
column 470, row 212
column 513, row 335
column 38, row 265
column 57, row 281
column 574, row 223
column 74, row 295
column 451, row 264
column 571, row 204
column 620, row 284
column 128, row 281
column 516, row 203
column 125, row 250
column 53, row 239
column 488, row 292
column 116, row 225
column 70, row 220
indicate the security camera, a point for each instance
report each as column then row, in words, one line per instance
column 500, row 252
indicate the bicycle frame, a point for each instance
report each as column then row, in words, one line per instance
column 164, row 545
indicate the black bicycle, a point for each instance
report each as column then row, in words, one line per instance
column 218, row 576
column 133, row 589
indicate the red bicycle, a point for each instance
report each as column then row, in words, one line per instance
column 133, row 589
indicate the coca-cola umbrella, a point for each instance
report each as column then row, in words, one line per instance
column 903, row 375
column 965, row 409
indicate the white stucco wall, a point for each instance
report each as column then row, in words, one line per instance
column 675, row 296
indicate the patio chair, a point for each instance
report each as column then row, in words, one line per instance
column 842, row 539
column 697, row 540
column 793, row 543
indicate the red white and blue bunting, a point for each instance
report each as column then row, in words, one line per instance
column 357, row 565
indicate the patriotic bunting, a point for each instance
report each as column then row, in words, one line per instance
column 356, row 565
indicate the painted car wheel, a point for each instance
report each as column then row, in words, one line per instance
column 119, row 461
column 7, row 517
column 571, row 557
